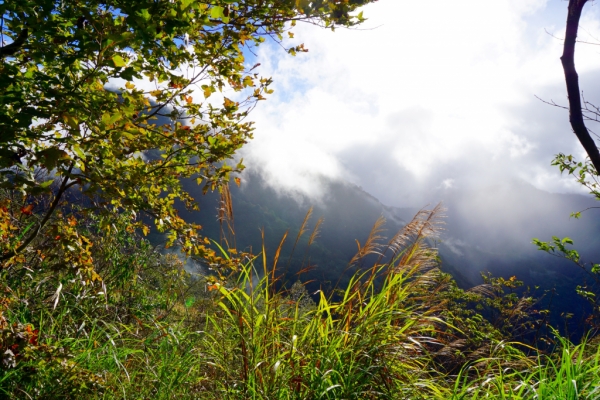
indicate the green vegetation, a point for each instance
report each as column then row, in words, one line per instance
column 100, row 124
column 122, row 100
column 150, row 329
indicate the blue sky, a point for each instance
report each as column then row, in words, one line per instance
column 425, row 97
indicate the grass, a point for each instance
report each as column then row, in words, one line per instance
column 565, row 375
column 400, row 329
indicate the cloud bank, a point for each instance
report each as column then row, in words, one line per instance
column 426, row 95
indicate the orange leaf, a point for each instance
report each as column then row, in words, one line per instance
column 27, row 210
column 34, row 337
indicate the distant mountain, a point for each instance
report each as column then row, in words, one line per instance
column 348, row 215
column 496, row 224
column 489, row 229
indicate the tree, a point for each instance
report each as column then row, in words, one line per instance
column 120, row 100
column 586, row 172
column 576, row 115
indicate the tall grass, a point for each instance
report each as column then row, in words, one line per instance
column 571, row 372
column 362, row 343
column 400, row 329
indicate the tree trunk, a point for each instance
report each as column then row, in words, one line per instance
column 572, row 80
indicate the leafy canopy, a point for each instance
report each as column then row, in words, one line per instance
column 122, row 99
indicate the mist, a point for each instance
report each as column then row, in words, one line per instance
column 424, row 96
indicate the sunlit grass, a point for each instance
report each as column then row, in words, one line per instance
column 571, row 372
column 395, row 331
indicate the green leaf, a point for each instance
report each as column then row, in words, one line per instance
column 129, row 73
column 184, row 4
column 52, row 156
column 567, row 241
column 128, row 135
column 302, row 5
column 8, row 158
column 126, row 35
column 71, row 121
column 118, row 61
column 46, row 184
column 216, row 12
column 106, row 118
column 79, row 151
column 144, row 14
column 109, row 119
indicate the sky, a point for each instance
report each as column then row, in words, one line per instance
column 425, row 97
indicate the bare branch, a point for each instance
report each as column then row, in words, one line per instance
column 572, row 80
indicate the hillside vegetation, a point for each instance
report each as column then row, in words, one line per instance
column 399, row 329
column 108, row 110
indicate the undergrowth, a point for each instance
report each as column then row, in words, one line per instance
column 147, row 327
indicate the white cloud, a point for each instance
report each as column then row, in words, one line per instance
column 426, row 92
column 447, row 183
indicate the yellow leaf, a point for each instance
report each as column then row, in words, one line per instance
column 228, row 103
column 129, row 85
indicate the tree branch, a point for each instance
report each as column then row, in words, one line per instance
column 572, row 81
column 63, row 188
column 16, row 45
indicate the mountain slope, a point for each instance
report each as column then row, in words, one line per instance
column 487, row 230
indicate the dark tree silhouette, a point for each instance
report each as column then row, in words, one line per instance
column 576, row 116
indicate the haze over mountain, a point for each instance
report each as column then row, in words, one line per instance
column 433, row 101
column 427, row 95
column 486, row 230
